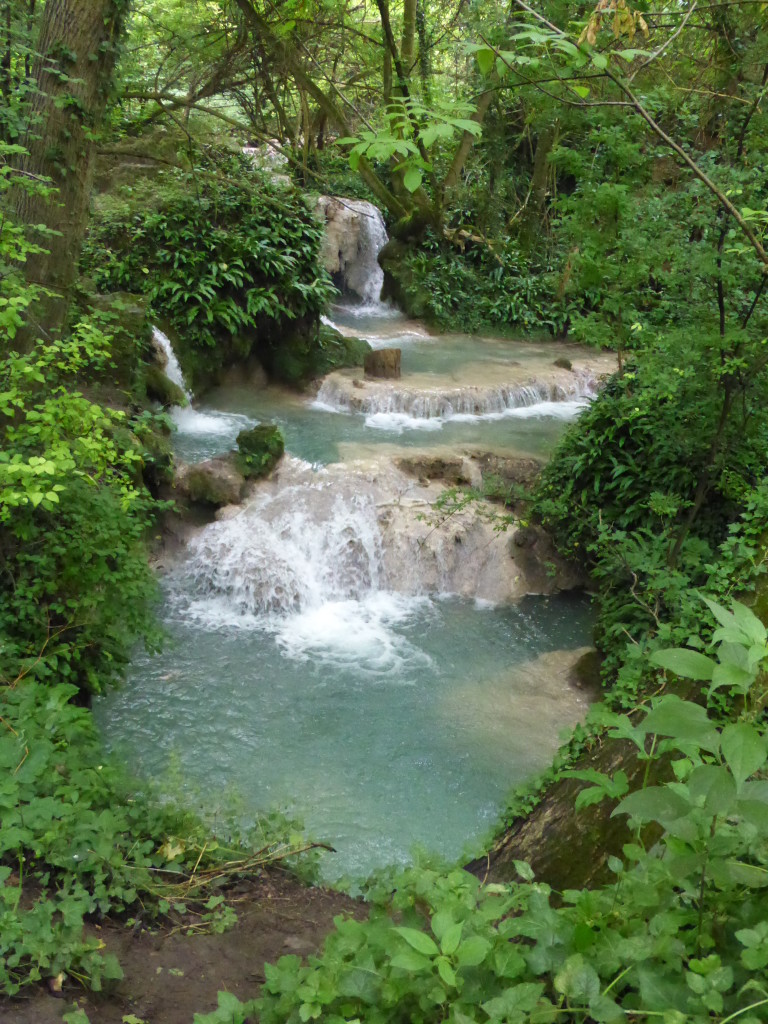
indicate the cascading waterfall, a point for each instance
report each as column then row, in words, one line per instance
column 191, row 422
column 172, row 368
column 293, row 548
column 458, row 403
column 364, row 276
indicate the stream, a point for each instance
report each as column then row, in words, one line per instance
column 332, row 653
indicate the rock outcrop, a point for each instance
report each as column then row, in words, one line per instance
column 214, row 482
column 383, row 362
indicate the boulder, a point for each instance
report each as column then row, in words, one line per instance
column 259, row 449
column 383, row 362
column 214, row 482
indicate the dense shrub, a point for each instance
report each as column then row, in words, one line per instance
column 228, row 259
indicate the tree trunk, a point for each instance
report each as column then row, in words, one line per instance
column 73, row 70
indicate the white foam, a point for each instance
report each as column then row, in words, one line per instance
column 193, row 421
column 354, row 632
column 397, row 422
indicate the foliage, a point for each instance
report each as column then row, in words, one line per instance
column 481, row 288
column 76, row 591
column 227, row 258
column 681, row 933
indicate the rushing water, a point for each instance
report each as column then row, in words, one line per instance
column 301, row 673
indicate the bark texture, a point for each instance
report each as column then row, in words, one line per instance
column 76, row 57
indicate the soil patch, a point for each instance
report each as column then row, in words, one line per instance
column 170, row 976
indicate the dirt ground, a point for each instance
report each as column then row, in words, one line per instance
column 170, row 976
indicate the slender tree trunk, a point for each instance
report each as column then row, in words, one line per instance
column 408, row 43
column 73, row 70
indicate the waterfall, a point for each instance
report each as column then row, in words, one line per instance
column 308, row 541
column 461, row 403
column 172, row 369
column 354, row 236
column 364, row 276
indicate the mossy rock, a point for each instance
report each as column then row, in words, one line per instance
column 214, row 482
column 399, row 285
column 125, row 317
column 562, row 363
column 259, row 449
column 162, row 389
column 309, row 353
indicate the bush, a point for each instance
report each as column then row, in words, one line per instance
column 227, row 258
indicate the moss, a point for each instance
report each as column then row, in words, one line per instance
column 162, row 389
column 311, row 353
column 259, row 449
column 563, row 363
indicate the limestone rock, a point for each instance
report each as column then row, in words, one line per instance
column 214, row 482
column 383, row 362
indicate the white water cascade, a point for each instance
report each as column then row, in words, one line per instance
column 191, row 421
column 354, row 236
column 172, row 368
column 422, row 408
column 295, row 546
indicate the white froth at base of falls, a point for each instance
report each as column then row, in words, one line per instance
column 330, row 561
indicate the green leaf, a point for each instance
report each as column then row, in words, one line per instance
column 684, row 721
column 485, row 60
column 684, row 662
column 578, row 980
column 412, row 178
column 472, row 951
column 446, row 972
column 410, row 960
column 450, row 940
column 419, row 941
column 581, row 90
column 656, row 803
column 744, row 750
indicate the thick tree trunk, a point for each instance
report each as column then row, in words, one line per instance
column 73, row 70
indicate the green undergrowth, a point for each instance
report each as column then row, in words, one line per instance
column 480, row 288
column 81, row 842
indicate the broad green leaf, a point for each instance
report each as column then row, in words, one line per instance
column 446, row 972
column 715, row 785
column 744, row 750
column 450, row 940
column 472, row 951
column 684, row 721
column 485, row 60
column 581, row 90
column 419, row 941
column 578, row 980
column 514, row 1001
column 412, row 178
column 684, row 662
column 410, row 960
column 655, row 803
